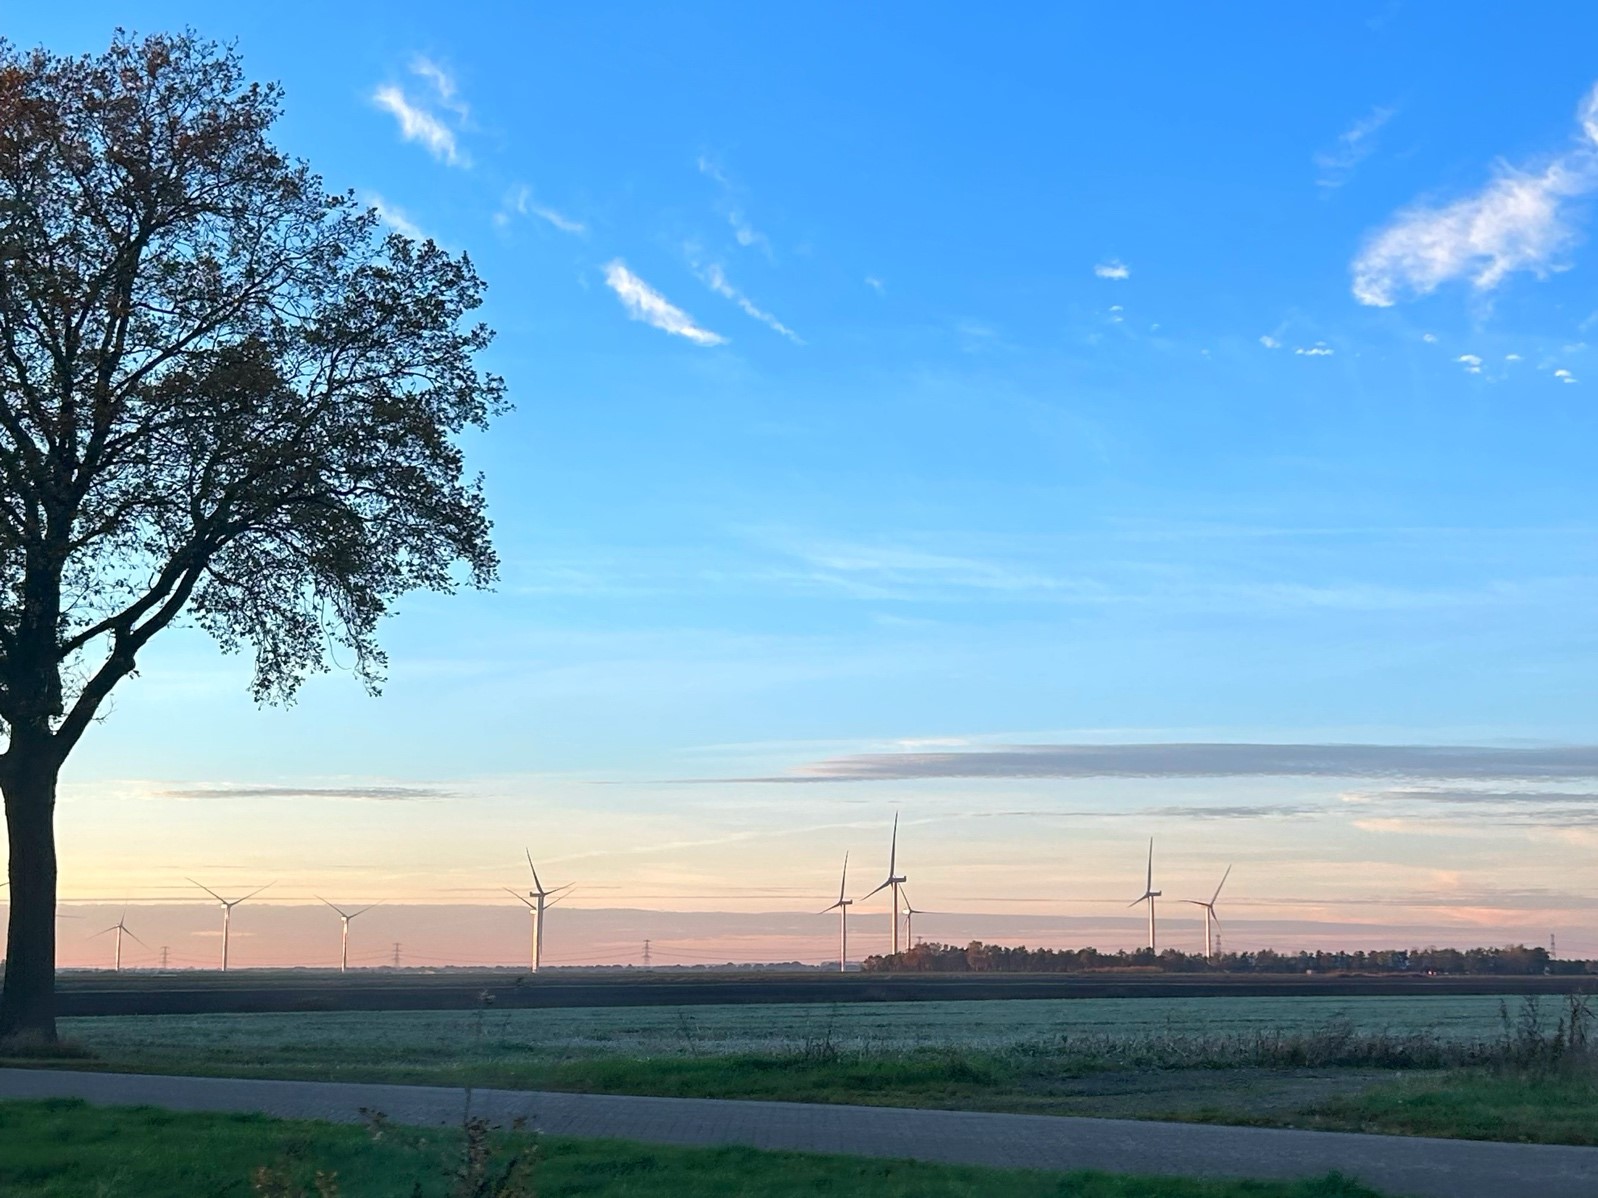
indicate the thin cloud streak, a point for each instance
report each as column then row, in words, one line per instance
column 1354, row 145
column 521, row 202
column 381, row 794
column 395, row 218
column 716, row 279
column 418, row 125
column 443, row 84
column 644, row 303
column 1240, row 760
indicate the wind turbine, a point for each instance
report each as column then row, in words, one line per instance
column 842, row 907
column 119, row 928
column 541, row 899
column 344, row 942
column 894, row 880
column 1149, row 895
column 1210, row 918
column 227, row 912
column 909, row 922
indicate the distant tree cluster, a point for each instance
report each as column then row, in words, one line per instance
column 976, row 957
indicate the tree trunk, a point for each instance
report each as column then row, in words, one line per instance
column 27, row 1005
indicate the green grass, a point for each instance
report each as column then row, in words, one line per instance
column 67, row 1149
column 1541, row 1107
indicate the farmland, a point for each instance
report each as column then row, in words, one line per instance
column 1435, row 1064
column 775, row 1028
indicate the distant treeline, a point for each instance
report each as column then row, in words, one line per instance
column 977, row 957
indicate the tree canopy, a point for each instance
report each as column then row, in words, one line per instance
column 225, row 396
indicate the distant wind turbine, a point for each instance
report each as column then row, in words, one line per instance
column 541, row 899
column 895, row 880
column 344, row 941
column 1211, row 920
column 910, row 914
column 120, row 927
column 1149, row 895
column 842, row 907
column 227, row 912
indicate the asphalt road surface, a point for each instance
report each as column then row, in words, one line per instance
column 1406, row 1167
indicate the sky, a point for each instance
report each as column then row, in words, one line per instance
column 938, row 412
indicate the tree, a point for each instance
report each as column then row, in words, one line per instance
column 225, row 399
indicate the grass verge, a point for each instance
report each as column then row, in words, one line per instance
column 65, row 1149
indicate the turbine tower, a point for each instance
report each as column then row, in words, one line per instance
column 120, row 927
column 344, row 941
column 842, row 907
column 1210, row 918
column 909, row 921
column 1149, row 895
column 227, row 913
column 895, row 880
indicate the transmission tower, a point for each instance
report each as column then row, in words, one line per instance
column 646, row 954
column 396, row 954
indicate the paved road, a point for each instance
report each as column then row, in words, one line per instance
column 1400, row 1166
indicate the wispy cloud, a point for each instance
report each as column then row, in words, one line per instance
column 1210, row 761
column 385, row 794
column 1270, row 342
column 1471, row 363
column 419, row 125
column 875, row 284
column 444, row 89
column 743, row 232
column 1318, row 350
column 1353, row 146
column 1564, row 376
column 644, row 303
column 1535, row 808
column 715, row 278
column 1521, row 221
column 520, row 202
column 1113, row 269
column 395, row 217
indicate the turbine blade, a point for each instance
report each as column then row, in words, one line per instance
column 1135, row 902
column 1196, row 902
column 843, row 883
column 867, row 895
column 210, row 892
column 834, row 907
column 521, row 898
column 136, row 938
column 93, row 935
column 1224, row 876
column 1149, row 886
column 364, row 909
column 253, row 893
column 538, row 887
column 893, row 846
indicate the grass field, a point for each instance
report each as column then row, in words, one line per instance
column 69, row 1150
column 1430, row 1065
column 557, row 1034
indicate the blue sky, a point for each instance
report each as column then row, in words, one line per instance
column 940, row 377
